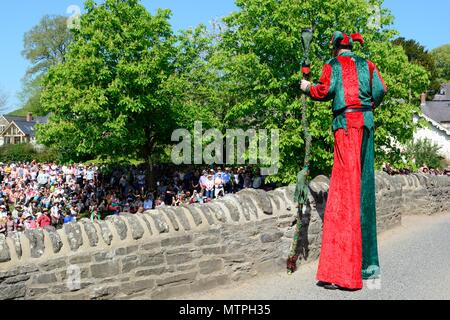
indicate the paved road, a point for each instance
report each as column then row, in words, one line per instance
column 415, row 263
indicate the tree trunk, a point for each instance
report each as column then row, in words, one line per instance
column 147, row 155
column 151, row 178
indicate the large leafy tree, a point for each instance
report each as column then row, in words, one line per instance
column 441, row 56
column 45, row 45
column 113, row 95
column 417, row 54
column 258, row 56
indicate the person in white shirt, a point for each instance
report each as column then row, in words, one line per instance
column 219, row 185
column 42, row 178
column 90, row 174
column 209, row 187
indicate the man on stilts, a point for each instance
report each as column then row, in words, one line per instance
column 349, row 251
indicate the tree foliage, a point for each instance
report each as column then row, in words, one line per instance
column 417, row 54
column 26, row 153
column 259, row 57
column 45, row 45
column 127, row 81
column 116, row 93
column 441, row 56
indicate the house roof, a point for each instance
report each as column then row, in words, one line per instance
column 439, row 111
column 445, row 93
column 439, row 108
column 11, row 118
column 26, row 127
column 435, row 124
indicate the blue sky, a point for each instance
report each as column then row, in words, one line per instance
column 428, row 22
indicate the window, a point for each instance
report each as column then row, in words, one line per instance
column 17, row 140
column 2, row 128
column 7, row 140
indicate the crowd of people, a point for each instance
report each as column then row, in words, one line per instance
column 424, row 169
column 200, row 187
column 38, row 195
column 435, row 172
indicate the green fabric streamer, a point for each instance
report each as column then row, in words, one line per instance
column 301, row 189
column 371, row 264
column 301, row 197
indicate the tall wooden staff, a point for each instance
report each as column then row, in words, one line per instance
column 302, row 190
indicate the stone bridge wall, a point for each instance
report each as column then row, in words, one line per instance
column 169, row 252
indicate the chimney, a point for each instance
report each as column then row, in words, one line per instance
column 423, row 99
column 29, row 117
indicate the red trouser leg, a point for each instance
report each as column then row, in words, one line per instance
column 341, row 254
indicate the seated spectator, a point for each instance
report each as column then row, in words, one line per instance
column 3, row 225
column 95, row 214
column 219, row 184
column 257, row 181
column 148, row 203
column 10, row 224
column 44, row 219
column 29, row 223
column 169, row 196
column 447, row 171
column 55, row 216
column 20, row 222
column 160, row 203
column 3, row 211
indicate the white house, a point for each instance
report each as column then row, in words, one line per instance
column 17, row 130
column 437, row 115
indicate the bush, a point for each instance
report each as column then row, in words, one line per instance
column 425, row 152
column 26, row 153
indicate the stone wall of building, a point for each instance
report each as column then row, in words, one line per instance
column 172, row 251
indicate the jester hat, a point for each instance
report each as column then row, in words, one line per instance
column 341, row 39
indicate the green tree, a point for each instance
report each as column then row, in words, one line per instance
column 419, row 55
column 113, row 96
column 259, row 56
column 26, row 152
column 441, row 56
column 424, row 152
column 195, row 83
column 45, row 45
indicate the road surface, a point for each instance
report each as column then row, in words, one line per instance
column 415, row 263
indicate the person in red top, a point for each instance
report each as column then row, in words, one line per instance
column 44, row 219
column 349, row 250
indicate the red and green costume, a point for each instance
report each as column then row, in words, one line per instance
column 349, row 245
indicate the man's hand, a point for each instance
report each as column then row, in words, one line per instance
column 305, row 85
